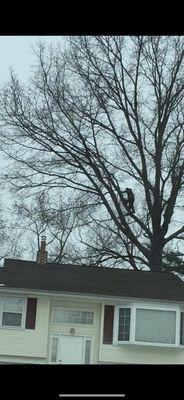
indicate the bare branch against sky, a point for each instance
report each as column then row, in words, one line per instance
column 101, row 115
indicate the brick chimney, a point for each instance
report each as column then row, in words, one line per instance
column 42, row 253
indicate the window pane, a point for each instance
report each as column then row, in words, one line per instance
column 84, row 314
column 12, row 304
column 73, row 316
column 58, row 316
column 87, row 352
column 155, row 326
column 11, row 319
column 182, row 329
column 54, row 349
column 124, row 324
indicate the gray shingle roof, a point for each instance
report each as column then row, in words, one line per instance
column 91, row 280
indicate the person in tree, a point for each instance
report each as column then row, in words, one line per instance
column 130, row 199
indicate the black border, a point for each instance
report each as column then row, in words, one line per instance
column 91, row 18
column 135, row 381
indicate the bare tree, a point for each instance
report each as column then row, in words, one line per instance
column 10, row 237
column 102, row 115
column 43, row 215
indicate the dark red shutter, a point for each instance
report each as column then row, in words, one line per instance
column 31, row 313
column 108, row 324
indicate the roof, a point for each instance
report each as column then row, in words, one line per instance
column 91, row 280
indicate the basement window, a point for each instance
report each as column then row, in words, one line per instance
column 149, row 326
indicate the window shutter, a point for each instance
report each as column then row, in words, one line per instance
column 31, row 313
column 108, row 324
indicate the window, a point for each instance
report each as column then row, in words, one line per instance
column 12, row 311
column 143, row 325
column 124, row 324
column 155, row 326
column 87, row 351
column 62, row 315
column 182, row 329
column 54, row 349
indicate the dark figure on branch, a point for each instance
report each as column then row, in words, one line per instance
column 130, row 199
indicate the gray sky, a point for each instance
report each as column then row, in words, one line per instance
column 16, row 52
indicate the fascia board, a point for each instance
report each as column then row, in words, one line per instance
column 98, row 298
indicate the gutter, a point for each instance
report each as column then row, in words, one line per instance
column 84, row 296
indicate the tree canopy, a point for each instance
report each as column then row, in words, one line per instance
column 103, row 114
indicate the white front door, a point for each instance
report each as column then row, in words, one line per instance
column 71, row 350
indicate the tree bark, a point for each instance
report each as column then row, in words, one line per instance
column 156, row 252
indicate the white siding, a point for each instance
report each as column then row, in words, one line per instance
column 25, row 342
column 140, row 355
column 33, row 346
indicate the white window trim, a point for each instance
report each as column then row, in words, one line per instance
column 59, row 334
column 22, row 326
column 73, row 309
column 145, row 306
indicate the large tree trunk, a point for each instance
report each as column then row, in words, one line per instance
column 156, row 251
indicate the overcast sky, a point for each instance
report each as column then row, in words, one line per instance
column 16, row 52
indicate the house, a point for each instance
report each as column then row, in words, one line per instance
column 51, row 314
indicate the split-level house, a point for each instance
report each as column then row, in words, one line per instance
column 53, row 314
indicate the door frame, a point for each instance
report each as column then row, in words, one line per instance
column 85, row 338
